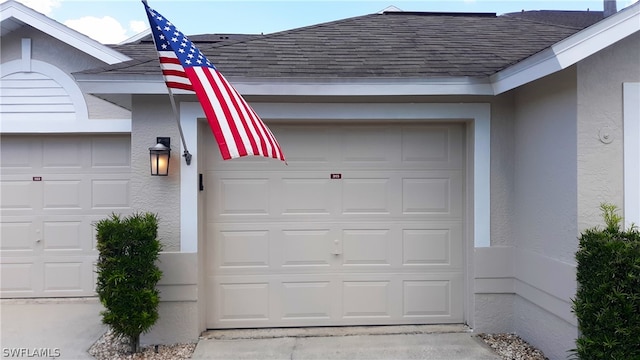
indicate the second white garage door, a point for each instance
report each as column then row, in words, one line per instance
column 363, row 226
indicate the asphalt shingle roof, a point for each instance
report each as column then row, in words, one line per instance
column 388, row 45
column 577, row 19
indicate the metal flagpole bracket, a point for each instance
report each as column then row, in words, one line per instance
column 187, row 157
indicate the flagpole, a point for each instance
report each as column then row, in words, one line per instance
column 186, row 154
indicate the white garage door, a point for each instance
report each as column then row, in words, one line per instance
column 52, row 188
column 364, row 226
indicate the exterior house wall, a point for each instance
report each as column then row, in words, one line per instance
column 600, row 160
column 493, row 298
column 493, row 266
column 545, row 207
column 179, row 307
column 153, row 117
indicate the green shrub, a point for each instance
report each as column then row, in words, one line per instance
column 127, row 274
column 607, row 302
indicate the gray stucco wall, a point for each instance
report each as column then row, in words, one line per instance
column 600, row 164
column 153, row 117
column 545, row 166
column 502, row 169
column 545, row 211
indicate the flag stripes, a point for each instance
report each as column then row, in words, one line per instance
column 173, row 72
column 237, row 128
column 243, row 133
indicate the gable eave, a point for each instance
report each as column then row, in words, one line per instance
column 569, row 51
column 14, row 11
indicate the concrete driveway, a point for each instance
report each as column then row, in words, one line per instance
column 49, row 328
column 350, row 343
column 67, row 328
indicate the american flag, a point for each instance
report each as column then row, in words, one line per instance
column 237, row 128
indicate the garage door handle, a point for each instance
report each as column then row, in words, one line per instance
column 337, row 249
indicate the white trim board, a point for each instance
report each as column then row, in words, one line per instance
column 569, row 51
column 631, row 116
column 478, row 114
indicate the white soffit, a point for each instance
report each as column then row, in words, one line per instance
column 570, row 50
column 14, row 11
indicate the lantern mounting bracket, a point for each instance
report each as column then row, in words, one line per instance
column 166, row 141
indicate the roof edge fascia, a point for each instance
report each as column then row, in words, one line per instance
column 569, row 51
column 26, row 15
column 296, row 87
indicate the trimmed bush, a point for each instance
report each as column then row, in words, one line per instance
column 127, row 274
column 607, row 302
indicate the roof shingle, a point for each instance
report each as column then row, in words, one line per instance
column 387, row 45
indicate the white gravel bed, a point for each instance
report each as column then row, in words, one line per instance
column 512, row 347
column 111, row 347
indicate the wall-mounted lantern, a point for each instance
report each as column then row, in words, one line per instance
column 159, row 156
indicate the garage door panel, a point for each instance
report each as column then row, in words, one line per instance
column 19, row 195
column 111, row 153
column 306, row 300
column 427, row 298
column 432, row 246
column 367, row 195
column 306, row 248
column 64, row 152
column 64, row 235
column 303, row 150
column 240, row 197
column 243, row 301
column 228, row 253
column 433, row 298
column 243, row 249
column 306, row 196
column 63, row 276
column 16, row 154
column 369, row 146
column 366, row 247
column 366, row 299
column 432, row 147
column 17, row 235
column 66, row 275
column 364, row 228
column 63, row 194
column 52, row 193
column 110, row 193
column 18, row 276
column 335, row 299
column 434, row 194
